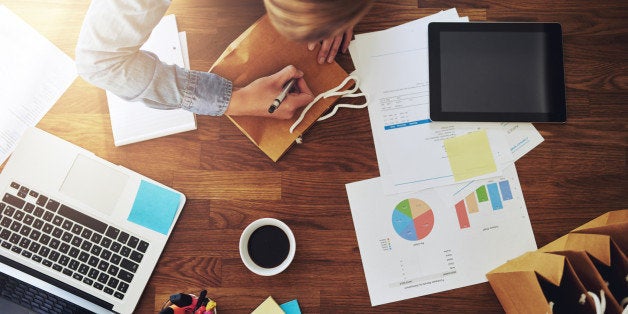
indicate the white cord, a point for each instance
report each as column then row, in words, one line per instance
column 350, row 106
column 331, row 93
column 624, row 301
column 600, row 303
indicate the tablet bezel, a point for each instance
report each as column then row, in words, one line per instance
column 552, row 30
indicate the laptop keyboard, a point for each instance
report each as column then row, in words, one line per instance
column 76, row 245
column 35, row 299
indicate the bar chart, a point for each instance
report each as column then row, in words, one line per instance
column 492, row 195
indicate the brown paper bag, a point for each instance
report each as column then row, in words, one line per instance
column 591, row 279
column 261, row 51
column 591, row 258
column 538, row 282
column 613, row 224
column 609, row 260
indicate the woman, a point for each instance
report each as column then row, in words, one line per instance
column 108, row 55
column 329, row 21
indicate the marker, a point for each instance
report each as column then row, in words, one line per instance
column 282, row 95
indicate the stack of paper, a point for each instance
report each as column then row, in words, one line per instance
column 34, row 73
column 133, row 121
column 448, row 206
column 393, row 70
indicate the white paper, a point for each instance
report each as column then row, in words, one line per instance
column 389, row 41
column 523, row 137
column 134, row 121
column 34, row 73
column 429, row 249
column 183, row 42
column 393, row 68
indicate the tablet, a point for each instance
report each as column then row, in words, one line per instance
column 486, row 71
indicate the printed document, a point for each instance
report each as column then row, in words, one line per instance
column 393, row 68
column 448, row 206
column 34, row 73
column 418, row 243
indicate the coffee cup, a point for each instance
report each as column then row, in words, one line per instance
column 267, row 246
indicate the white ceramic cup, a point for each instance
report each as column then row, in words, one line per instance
column 244, row 252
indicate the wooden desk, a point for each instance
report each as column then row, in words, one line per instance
column 578, row 173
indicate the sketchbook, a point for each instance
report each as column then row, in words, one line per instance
column 261, row 51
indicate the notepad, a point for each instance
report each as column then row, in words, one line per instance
column 269, row 306
column 133, row 121
column 262, row 51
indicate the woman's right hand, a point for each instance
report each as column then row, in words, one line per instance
column 255, row 98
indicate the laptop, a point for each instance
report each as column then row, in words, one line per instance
column 78, row 234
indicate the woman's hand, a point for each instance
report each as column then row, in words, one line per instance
column 330, row 46
column 255, row 98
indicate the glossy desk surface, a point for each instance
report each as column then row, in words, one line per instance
column 578, row 173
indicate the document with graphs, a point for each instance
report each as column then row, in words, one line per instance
column 418, row 243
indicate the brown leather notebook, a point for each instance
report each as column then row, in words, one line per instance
column 262, row 51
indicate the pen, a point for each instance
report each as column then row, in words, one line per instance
column 200, row 300
column 282, row 95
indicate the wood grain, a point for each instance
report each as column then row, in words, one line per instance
column 576, row 174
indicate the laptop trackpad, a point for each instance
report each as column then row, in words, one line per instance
column 10, row 307
column 95, row 184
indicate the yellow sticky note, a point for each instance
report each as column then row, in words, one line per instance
column 470, row 155
column 269, row 306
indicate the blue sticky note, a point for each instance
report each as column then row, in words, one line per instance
column 154, row 207
column 291, row 307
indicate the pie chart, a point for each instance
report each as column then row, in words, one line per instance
column 413, row 219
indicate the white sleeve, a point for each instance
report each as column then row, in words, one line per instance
column 108, row 55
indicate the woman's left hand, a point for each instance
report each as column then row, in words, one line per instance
column 330, row 46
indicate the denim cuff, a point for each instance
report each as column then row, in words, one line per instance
column 206, row 93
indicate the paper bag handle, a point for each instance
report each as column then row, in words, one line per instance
column 331, row 93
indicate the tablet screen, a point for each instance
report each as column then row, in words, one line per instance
column 496, row 72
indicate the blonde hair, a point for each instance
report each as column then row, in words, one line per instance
column 313, row 20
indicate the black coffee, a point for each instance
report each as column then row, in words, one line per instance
column 268, row 246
